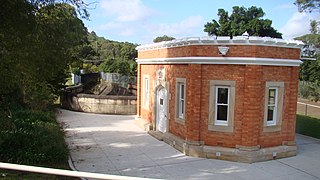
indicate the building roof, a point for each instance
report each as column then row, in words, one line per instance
column 224, row 40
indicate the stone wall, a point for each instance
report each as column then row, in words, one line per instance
column 124, row 105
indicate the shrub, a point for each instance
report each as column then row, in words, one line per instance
column 33, row 138
column 38, row 96
column 308, row 126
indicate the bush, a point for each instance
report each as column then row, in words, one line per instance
column 32, row 137
column 38, row 96
column 308, row 126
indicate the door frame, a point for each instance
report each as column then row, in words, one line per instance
column 155, row 101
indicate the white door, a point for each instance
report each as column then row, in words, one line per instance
column 161, row 120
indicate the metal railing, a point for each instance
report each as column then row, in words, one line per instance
column 61, row 172
column 308, row 109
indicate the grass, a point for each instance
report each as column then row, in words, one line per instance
column 308, row 126
column 31, row 138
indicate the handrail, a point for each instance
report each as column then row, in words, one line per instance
column 62, row 172
column 308, row 104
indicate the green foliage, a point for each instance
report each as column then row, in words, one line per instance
column 308, row 5
column 163, row 38
column 80, row 5
column 37, row 43
column 303, row 90
column 308, row 126
column 312, row 45
column 309, row 90
column 107, row 49
column 240, row 21
column 314, row 29
column 120, row 66
column 31, row 137
column 116, row 57
column 310, row 69
column 38, row 96
column 39, row 39
column 90, row 68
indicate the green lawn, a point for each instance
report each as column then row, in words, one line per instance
column 308, row 126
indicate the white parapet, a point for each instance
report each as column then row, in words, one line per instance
column 224, row 40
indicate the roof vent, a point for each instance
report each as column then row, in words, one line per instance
column 246, row 35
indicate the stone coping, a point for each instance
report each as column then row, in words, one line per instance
column 239, row 154
column 107, row 97
column 223, row 40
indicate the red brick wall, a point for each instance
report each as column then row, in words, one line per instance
column 212, row 51
column 222, row 72
column 289, row 76
column 172, row 72
column 249, row 103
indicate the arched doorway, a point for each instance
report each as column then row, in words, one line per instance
column 161, row 109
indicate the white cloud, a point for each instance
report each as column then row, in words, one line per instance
column 285, row 6
column 110, row 26
column 186, row 27
column 127, row 32
column 297, row 25
column 126, row 10
column 120, row 28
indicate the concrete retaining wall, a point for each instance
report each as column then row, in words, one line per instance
column 126, row 105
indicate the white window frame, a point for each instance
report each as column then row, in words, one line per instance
column 146, row 91
column 275, row 124
column 180, row 115
column 213, row 123
column 275, row 106
column 216, row 120
column 181, row 100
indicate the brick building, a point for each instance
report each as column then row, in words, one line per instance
column 223, row 98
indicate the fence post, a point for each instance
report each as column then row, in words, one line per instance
column 306, row 110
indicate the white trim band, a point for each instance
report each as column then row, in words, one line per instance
column 222, row 60
column 224, row 40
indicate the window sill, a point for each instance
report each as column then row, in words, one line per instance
column 179, row 120
column 272, row 128
column 220, row 128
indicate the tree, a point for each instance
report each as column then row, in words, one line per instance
column 310, row 69
column 116, row 57
column 79, row 5
column 163, row 38
column 240, row 21
column 314, row 27
column 117, row 65
column 308, row 5
column 36, row 46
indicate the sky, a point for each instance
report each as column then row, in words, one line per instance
column 140, row 21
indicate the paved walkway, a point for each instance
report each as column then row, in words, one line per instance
column 114, row 145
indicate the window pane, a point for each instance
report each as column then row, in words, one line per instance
column 223, row 95
column 182, row 107
column 270, row 113
column 222, row 113
column 272, row 95
column 182, row 91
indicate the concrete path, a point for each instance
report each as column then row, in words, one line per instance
column 114, row 145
